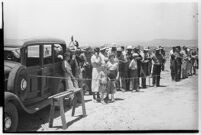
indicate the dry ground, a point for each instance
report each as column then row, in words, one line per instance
column 173, row 106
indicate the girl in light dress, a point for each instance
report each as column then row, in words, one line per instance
column 103, row 84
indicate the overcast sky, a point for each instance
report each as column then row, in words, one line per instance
column 99, row 20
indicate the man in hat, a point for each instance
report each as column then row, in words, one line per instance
column 144, row 67
column 178, row 58
column 75, row 62
column 122, row 70
column 139, row 64
column 87, row 73
column 184, row 63
column 127, row 70
column 162, row 51
column 173, row 66
column 134, row 83
column 157, row 60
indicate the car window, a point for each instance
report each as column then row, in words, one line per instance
column 47, row 54
column 33, row 55
column 58, row 51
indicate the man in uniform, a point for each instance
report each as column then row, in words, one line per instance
column 157, row 63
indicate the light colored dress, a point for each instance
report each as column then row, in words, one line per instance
column 95, row 73
column 67, row 74
column 103, row 82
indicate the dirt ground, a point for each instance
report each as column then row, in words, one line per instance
column 172, row 106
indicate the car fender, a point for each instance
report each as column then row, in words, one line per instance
column 13, row 98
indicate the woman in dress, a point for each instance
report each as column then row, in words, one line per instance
column 70, row 81
column 113, row 75
column 96, row 64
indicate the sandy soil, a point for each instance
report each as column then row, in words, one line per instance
column 173, row 106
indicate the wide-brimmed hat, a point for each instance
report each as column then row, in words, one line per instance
column 119, row 49
column 103, row 48
column 129, row 47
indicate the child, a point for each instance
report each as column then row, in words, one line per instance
column 103, row 85
column 113, row 75
column 133, row 73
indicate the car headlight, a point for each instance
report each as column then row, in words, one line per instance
column 23, row 84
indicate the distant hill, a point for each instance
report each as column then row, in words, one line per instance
column 153, row 43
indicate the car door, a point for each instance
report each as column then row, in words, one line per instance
column 47, row 69
column 34, row 64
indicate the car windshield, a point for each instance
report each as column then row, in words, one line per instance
column 12, row 55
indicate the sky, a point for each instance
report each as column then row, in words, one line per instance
column 100, row 20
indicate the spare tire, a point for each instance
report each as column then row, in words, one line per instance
column 18, row 82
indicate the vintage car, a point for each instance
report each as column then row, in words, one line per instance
column 29, row 66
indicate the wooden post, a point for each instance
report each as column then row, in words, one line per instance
column 62, row 113
column 83, row 103
column 74, row 105
column 52, row 110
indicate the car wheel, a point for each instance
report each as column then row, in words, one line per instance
column 10, row 118
column 21, row 84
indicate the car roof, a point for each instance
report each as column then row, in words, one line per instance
column 13, row 43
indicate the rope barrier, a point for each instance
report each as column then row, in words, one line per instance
column 55, row 77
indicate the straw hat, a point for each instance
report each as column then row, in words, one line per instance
column 129, row 47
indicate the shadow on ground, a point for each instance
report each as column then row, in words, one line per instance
column 34, row 121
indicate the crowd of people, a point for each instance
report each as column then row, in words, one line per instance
column 183, row 62
column 105, row 70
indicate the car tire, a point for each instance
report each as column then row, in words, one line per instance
column 20, row 82
column 10, row 118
